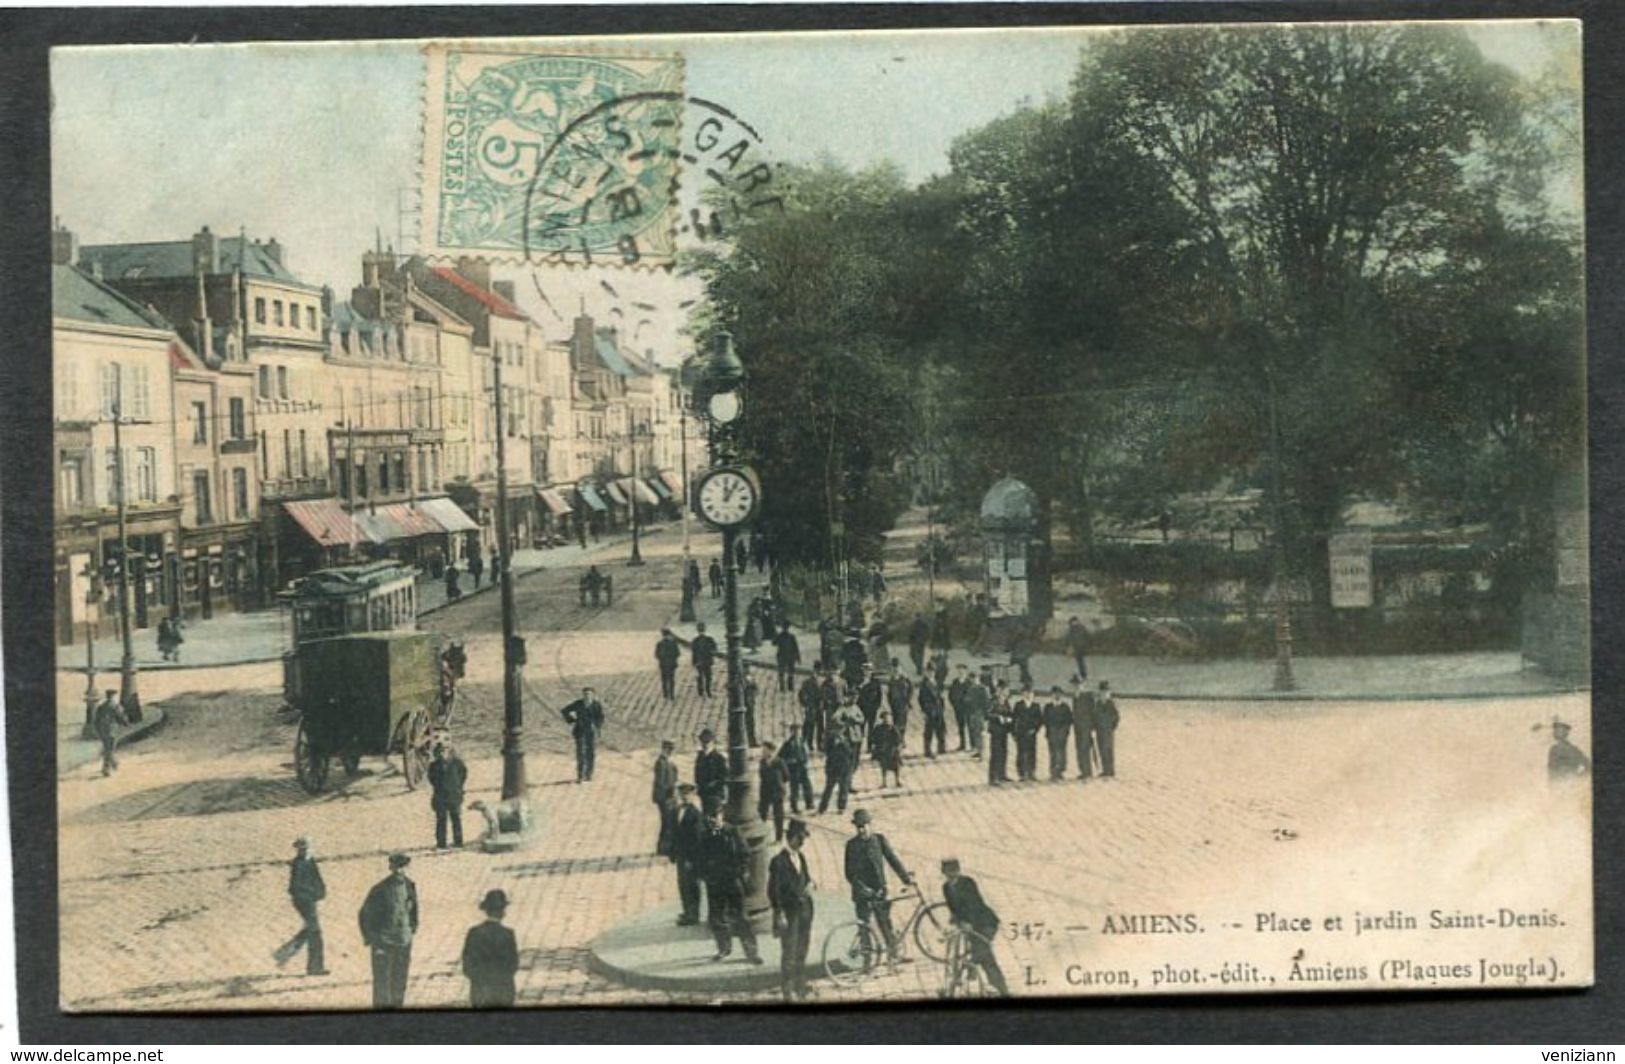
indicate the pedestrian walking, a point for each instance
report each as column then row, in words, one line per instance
column 812, row 715
column 899, row 699
column 1077, row 642
column 106, row 721
column 1565, row 760
column 663, row 793
column 453, row 590
column 741, row 554
column 1028, row 721
column 688, row 832
column 170, row 639
column 956, row 704
column 789, row 892
column 827, row 646
column 830, row 698
column 786, row 655
column 886, row 746
column 491, row 956
column 389, row 921
column 1021, row 653
column 476, row 568
column 691, row 578
column 715, row 573
column 1057, row 729
column 1083, row 727
column 703, row 655
column 594, row 581
column 1000, row 725
column 752, row 636
column 978, row 709
column 306, row 890
column 723, row 860
column 447, row 777
column 796, row 757
column 773, row 779
column 919, row 634
column 585, row 716
column 870, row 695
column 1106, row 721
column 668, row 651
column 758, row 549
column 941, row 636
column 710, row 771
column 931, row 708
column 854, row 661
column 749, row 692
column 967, row 909
column 867, row 856
column 838, row 759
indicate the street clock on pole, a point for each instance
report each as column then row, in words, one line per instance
column 728, row 497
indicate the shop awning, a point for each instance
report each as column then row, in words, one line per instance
column 672, row 481
column 637, row 489
column 553, row 501
column 660, row 488
column 326, row 522
column 613, row 490
column 590, row 496
column 448, row 515
column 396, row 521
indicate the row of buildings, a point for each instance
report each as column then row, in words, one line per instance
column 268, row 429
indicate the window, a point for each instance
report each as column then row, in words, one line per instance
column 338, row 407
column 282, row 382
column 67, row 390
column 434, row 470
column 304, row 457
column 200, row 495
column 110, row 389
column 265, row 382
column 423, row 468
column 200, row 423
column 265, row 458
column 343, row 467
column 259, row 310
column 287, row 452
column 383, row 473
column 400, row 471
column 276, row 311
column 239, row 421
column 139, row 394
column 71, row 482
column 110, row 479
column 310, row 318
column 146, row 474
column 239, row 492
column 358, row 409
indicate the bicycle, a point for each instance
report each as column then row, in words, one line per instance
column 853, row 950
column 963, row 976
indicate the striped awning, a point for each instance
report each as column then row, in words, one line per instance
column 660, row 488
column 590, row 496
column 612, row 489
column 672, row 481
column 637, row 489
column 448, row 515
column 553, row 501
column 326, row 522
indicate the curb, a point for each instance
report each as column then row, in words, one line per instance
column 152, row 718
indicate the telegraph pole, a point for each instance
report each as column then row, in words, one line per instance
column 1284, row 680
column 632, row 492
column 128, row 696
column 513, row 648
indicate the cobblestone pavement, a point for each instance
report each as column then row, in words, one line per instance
column 173, row 886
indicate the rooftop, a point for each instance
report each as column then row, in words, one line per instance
column 173, row 258
column 490, row 300
column 80, row 297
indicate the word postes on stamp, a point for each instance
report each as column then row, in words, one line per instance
column 551, row 156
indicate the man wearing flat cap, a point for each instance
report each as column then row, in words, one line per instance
column 867, row 855
column 688, row 838
column 710, row 771
column 789, row 891
column 668, row 651
column 305, row 889
column 968, row 910
column 389, row 920
column 1565, row 760
column 491, row 956
column 663, row 793
column 447, row 778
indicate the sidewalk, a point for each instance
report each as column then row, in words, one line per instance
column 262, row 635
column 73, row 751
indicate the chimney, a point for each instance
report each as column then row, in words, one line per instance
column 274, row 250
column 581, row 346
column 64, row 245
column 205, row 252
column 204, row 328
column 475, row 270
column 504, row 289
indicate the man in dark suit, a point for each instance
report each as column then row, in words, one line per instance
column 810, row 699
column 585, row 716
column 936, row 727
column 829, row 702
column 1029, row 719
column 306, row 890
column 919, row 634
column 109, row 716
column 956, row 703
column 839, row 758
column 787, row 655
column 789, row 891
column 773, row 780
column 389, row 920
column 968, row 910
column 899, row 699
column 1000, row 724
column 710, row 771
column 715, row 575
column 867, row 855
column 663, row 793
column 1077, row 643
column 723, row 857
column 491, row 956
column 447, row 777
column 870, row 695
column 667, row 653
column 703, row 653
column 749, row 692
column 1057, row 729
column 688, row 834
column 1083, row 728
column 1106, row 719
column 796, row 757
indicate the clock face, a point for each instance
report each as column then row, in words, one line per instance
column 727, row 498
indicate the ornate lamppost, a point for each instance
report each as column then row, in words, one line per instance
column 728, row 497
column 1284, row 678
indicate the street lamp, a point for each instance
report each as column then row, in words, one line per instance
column 728, row 497
column 632, row 490
column 93, row 596
column 1284, row 679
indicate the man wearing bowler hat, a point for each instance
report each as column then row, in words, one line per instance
column 389, row 920
column 491, row 956
column 867, row 855
column 789, row 891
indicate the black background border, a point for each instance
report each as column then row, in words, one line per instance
column 1553, row 1018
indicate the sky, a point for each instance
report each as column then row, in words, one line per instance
column 317, row 144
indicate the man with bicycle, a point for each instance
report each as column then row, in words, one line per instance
column 968, row 909
column 867, row 855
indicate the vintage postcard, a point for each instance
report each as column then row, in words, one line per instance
column 821, row 517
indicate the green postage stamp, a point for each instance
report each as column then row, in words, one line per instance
column 555, row 157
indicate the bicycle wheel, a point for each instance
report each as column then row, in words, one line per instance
column 931, row 930
column 965, row 978
column 850, row 953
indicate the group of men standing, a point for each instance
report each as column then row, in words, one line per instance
column 1088, row 718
